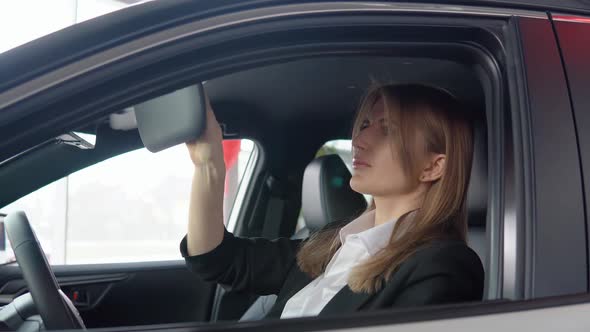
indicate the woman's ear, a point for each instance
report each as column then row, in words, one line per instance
column 434, row 169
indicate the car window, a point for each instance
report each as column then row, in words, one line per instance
column 130, row 208
column 341, row 147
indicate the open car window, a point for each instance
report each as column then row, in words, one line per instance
column 130, row 208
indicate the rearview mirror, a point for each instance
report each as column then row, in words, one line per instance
column 172, row 119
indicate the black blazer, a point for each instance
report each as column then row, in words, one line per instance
column 444, row 272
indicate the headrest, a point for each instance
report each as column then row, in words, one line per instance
column 326, row 193
column 477, row 191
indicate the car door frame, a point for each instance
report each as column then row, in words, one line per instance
column 535, row 97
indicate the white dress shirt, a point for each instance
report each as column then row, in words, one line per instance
column 360, row 240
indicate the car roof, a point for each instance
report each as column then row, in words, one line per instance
column 329, row 88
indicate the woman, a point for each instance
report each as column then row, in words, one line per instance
column 412, row 152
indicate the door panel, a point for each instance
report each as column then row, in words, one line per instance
column 126, row 294
column 554, row 224
column 573, row 34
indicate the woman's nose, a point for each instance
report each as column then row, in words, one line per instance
column 365, row 137
column 359, row 143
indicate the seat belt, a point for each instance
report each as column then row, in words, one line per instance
column 274, row 210
column 274, row 215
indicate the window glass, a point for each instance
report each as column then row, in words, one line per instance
column 130, row 208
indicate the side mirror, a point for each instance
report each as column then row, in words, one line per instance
column 172, row 119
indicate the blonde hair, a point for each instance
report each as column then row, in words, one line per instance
column 430, row 120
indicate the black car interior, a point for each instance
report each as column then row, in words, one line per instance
column 289, row 109
column 326, row 102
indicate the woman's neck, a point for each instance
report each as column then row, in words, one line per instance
column 387, row 209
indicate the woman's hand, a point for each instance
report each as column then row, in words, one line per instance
column 208, row 148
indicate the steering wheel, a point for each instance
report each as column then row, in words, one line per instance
column 55, row 308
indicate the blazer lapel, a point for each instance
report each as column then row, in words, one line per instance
column 345, row 301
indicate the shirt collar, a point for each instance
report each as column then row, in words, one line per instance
column 362, row 223
column 372, row 238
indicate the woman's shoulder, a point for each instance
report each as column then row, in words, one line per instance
column 447, row 247
column 451, row 257
column 443, row 271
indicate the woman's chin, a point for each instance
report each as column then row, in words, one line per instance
column 356, row 185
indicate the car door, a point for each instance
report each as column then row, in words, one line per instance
column 126, row 294
column 528, row 263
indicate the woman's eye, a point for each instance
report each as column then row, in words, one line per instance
column 364, row 124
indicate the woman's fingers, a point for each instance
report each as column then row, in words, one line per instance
column 208, row 146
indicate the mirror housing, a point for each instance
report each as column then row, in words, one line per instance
column 172, row 119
